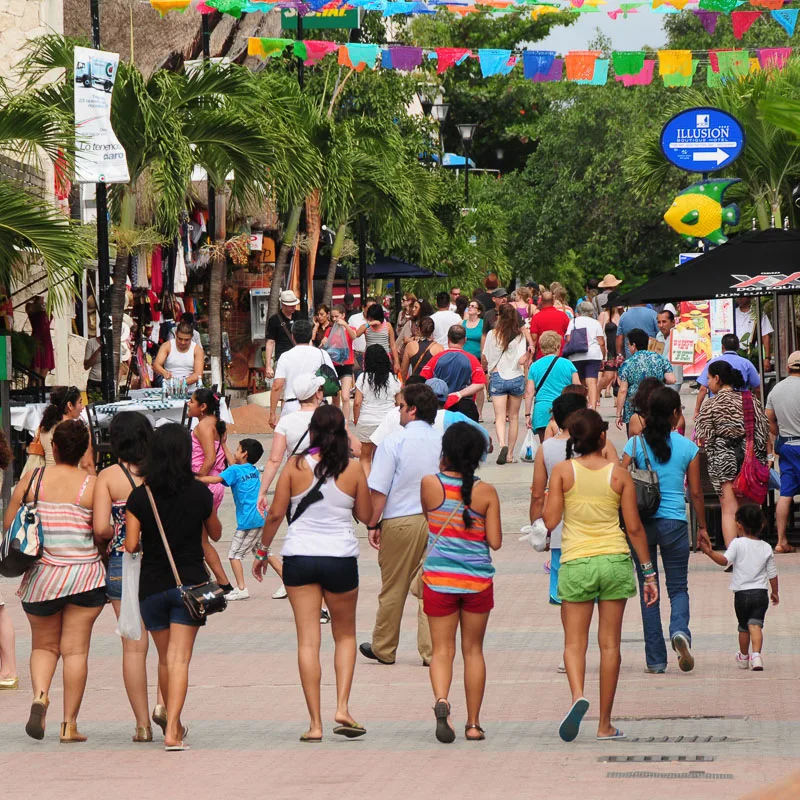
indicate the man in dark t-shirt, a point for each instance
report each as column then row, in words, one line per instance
column 279, row 330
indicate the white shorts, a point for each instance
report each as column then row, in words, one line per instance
column 244, row 542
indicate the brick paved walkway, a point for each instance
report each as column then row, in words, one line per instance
column 246, row 709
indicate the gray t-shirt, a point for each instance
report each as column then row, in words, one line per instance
column 784, row 400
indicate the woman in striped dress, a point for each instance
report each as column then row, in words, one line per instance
column 463, row 516
column 377, row 330
column 64, row 592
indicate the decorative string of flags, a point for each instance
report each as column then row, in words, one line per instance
column 707, row 11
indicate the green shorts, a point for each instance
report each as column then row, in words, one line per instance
column 600, row 577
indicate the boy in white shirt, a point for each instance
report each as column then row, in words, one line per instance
column 754, row 581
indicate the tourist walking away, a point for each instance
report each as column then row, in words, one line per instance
column 64, row 592
column 744, row 326
column 280, row 331
column 463, row 515
column 443, row 318
column 506, row 356
column 585, row 344
column 754, row 582
column 377, row 391
column 418, row 352
column 398, row 529
column 609, row 320
column 637, row 317
column 376, row 330
column 523, row 302
column 130, row 434
column 44, row 360
column 642, row 363
column 641, row 406
column 9, row 678
column 596, row 568
column 607, row 287
column 730, row 353
column 473, row 327
column 547, row 377
column 338, row 342
column 319, row 492
column 180, row 359
column 243, row 479
column 185, row 508
column 666, row 325
column 549, row 318
column 783, row 413
column 720, row 430
column 561, row 299
column 676, row 461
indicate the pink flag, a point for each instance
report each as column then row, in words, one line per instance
column 773, row 57
column 642, row 78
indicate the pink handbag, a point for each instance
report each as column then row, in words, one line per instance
column 753, row 479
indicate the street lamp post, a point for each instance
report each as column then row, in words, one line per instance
column 439, row 115
column 466, row 131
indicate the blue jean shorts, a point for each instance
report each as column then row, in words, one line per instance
column 162, row 609
column 499, row 386
column 114, row 577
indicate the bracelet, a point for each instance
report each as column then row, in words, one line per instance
column 527, row 415
column 646, row 566
column 262, row 553
column 650, row 579
column 374, row 527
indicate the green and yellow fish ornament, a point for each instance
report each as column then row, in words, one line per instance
column 697, row 212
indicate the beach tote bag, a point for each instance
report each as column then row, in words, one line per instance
column 23, row 543
column 752, row 482
column 578, row 343
column 338, row 346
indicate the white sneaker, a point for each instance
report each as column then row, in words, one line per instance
column 562, row 667
column 756, row 664
column 324, row 616
column 238, row 594
column 743, row 660
column 279, row 593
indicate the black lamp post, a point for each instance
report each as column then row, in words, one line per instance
column 439, row 115
column 467, row 132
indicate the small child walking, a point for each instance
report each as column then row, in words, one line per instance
column 754, row 582
column 244, row 481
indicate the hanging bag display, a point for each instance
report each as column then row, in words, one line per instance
column 645, row 481
column 23, row 542
column 752, row 482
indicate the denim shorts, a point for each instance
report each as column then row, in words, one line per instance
column 162, row 609
column 114, row 577
column 751, row 607
column 500, row 386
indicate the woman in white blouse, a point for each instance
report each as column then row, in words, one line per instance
column 590, row 362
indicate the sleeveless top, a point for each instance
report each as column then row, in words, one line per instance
column 554, row 451
column 421, row 357
column 591, row 516
column 380, row 336
column 198, row 457
column 523, row 311
column 181, row 365
column 325, row 528
column 46, row 439
column 611, row 339
column 116, row 547
column 460, row 562
column 473, row 342
column 70, row 563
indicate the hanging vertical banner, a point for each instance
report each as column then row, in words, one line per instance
column 100, row 157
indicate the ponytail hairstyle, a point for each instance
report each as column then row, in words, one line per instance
column 751, row 518
column 661, row 406
column 586, row 429
column 60, row 398
column 727, row 374
column 641, row 400
column 210, row 399
column 463, row 447
column 327, row 434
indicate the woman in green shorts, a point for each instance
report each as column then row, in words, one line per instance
column 595, row 562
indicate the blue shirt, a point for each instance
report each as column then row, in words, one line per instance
column 245, row 481
column 451, row 417
column 559, row 377
column 670, row 475
column 744, row 365
column 401, row 461
column 644, row 319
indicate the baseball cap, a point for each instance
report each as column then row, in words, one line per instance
column 793, row 362
column 609, row 281
column 500, row 292
column 440, row 388
column 305, row 386
column 289, row 298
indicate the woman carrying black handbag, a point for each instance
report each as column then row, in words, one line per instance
column 185, row 509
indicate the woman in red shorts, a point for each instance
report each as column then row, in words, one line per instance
column 463, row 516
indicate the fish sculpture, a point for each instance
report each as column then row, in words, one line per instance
column 697, row 212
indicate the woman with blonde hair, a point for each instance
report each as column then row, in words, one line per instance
column 561, row 299
column 523, row 302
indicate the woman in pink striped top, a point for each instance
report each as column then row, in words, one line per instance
column 64, row 592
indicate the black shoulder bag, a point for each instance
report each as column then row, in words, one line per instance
column 645, row 481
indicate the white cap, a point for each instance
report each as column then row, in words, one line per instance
column 670, row 307
column 289, row 298
column 306, row 386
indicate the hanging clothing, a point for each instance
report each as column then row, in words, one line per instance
column 157, row 272
column 179, row 286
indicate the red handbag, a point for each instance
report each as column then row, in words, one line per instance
column 753, row 479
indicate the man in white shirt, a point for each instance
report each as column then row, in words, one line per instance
column 401, row 461
column 744, row 323
column 455, row 293
column 443, row 319
column 666, row 324
column 301, row 359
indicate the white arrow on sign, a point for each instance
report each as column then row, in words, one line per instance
column 719, row 156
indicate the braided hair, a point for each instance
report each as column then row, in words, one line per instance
column 210, row 399
column 463, row 447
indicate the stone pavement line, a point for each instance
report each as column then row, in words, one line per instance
column 246, row 709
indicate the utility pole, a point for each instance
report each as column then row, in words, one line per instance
column 211, row 226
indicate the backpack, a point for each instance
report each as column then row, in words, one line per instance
column 331, row 387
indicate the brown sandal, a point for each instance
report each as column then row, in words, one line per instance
column 478, row 728
column 160, row 717
column 35, row 726
column 144, row 733
column 444, row 733
column 70, row 734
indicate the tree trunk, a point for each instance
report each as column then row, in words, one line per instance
column 313, row 229
column 283, row 260
column 119, row 276
column 336, row 253
column 218, row 270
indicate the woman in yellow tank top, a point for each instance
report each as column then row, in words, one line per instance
column 596, row 563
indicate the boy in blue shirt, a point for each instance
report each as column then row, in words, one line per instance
column 244, row 481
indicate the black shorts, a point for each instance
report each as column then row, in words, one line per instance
column 343, row 369
column 94, row 598
column 751, row 607
column 333, row 574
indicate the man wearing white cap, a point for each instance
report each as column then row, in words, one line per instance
column 280, row 337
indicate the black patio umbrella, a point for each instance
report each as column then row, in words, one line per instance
column 753, row 263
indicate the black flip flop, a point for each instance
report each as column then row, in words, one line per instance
column 350, row 731
column 503, row 455
column 478, row 728
column 444, row 733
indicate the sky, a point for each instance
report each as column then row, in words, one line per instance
column 626, row 34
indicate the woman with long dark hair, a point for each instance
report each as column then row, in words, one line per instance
column 674, row 458
column 463, row 516
column 720, row 432
column 596, row 568
column 641, row 405
column 376, row 394
column 186, row 509
column 420, row 351
column 319, row 492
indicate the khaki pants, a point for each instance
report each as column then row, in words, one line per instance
column 403, row 543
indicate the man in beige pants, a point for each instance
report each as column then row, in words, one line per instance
column 401, row 461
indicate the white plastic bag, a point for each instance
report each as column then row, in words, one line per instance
column 129, row 624
column 530, row 444
column 536, row 534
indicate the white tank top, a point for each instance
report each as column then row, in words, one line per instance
column 181, row 365
column 326, row 527
column 554, row 451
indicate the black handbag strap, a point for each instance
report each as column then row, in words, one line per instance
column 306, row 501
column 546, row 375
column 39, row 471
column 647, row 463
column 420, row 354
column 299, row 442
column 127, row 475
column 286, row 328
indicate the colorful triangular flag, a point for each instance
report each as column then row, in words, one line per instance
column 786, row 18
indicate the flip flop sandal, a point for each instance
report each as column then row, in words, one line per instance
column 310, row 739
column 503, row 455
column 779, row 548
column 350, row 731
column 571, row 724
column 176, row 748
column 618, row 734
column 478, row 728
column 444, row 733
